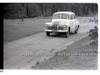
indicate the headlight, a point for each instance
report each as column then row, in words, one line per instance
column 65, row 27
column 48, row 24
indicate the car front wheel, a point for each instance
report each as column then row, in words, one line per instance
column 67, row 34
column 48, row 33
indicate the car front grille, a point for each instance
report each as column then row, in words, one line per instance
column 55, row 27
column 50, row 27
column 60, row 27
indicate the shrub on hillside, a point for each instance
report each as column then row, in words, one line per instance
column 93, row 33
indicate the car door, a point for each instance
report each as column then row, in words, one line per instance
column 73, row 23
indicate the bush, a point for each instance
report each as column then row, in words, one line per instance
column 93, row 33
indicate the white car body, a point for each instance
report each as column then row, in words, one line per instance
column 64, row 21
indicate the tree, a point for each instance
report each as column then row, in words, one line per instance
column 21, row 10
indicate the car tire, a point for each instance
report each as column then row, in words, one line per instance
column 67, row 34
column 76, row 30
column 48, row 33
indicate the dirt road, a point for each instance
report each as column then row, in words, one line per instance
column 29, row 51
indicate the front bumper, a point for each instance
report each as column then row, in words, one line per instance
column 55, row 30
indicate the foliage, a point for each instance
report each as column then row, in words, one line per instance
column 21, row 10
column 94, row 33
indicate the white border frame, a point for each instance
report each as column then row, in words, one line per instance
column 56, row 72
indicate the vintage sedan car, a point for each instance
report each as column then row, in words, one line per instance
column 62, row 22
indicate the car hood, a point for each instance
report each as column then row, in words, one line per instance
column 60, row 22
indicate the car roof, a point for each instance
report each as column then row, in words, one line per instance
column 65, row 12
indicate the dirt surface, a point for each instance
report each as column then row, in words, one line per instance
column 27, row 52
column 79, row 55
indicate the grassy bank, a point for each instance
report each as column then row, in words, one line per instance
column 78, row 56
column 16, row 29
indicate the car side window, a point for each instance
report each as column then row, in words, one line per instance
column 71, row 16
column 74, row 17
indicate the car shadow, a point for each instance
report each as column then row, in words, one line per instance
column 60, row 35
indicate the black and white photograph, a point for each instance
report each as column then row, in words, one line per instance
column 50, row 36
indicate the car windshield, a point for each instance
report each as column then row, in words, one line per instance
column 60, row 16
column 56, row 16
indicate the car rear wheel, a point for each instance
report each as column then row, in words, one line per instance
column 48, row 33
column 76, row 30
